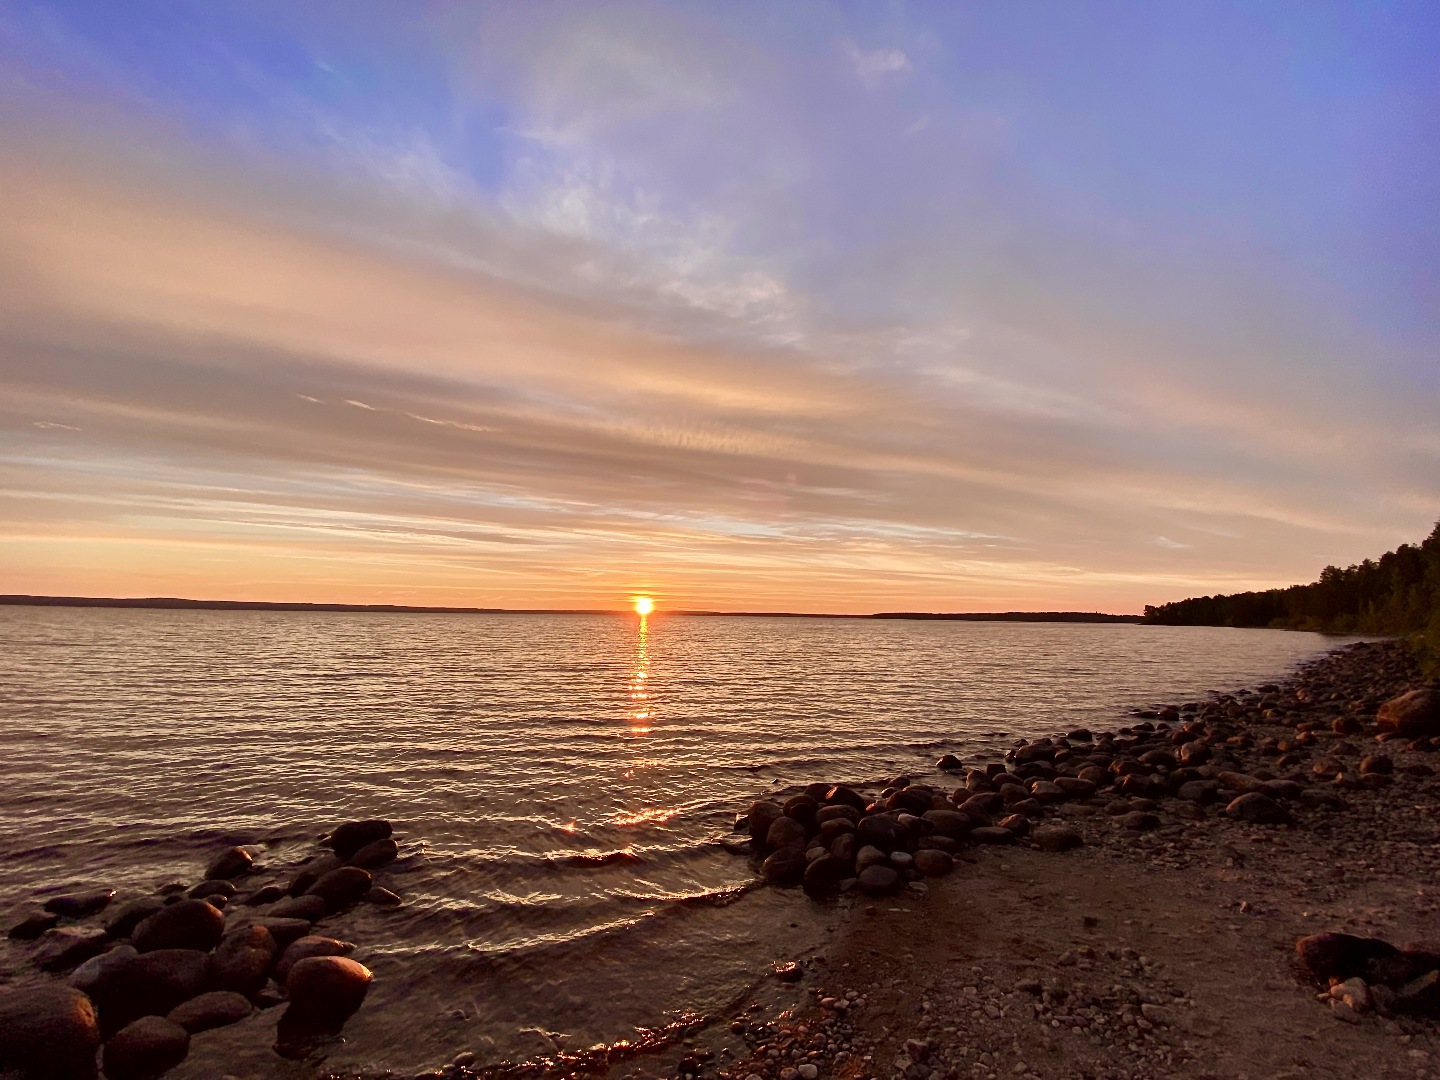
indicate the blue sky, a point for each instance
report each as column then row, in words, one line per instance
column 841, row 306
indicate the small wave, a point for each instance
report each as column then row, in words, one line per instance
column 604, row 858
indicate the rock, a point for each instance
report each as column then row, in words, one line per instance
column 951, row 823
column 122, row 922
column 878, row 880
column 342, row 887
column 1241, row 782
column 1258, row 809
column 901, row 860
column 375, row 854
column 762, row 815
column 1076, row 787
column 1342, row 956
column 803, row 809
column 213, row 887
column 807, row 1070
column 839, row 812
column 313, row 871
column 309, row 907
column 882, row 831
column 1377, row 764
column 242, row 960
column 63, row 947
column 933, row 863
column 1046, row 792
column 1056, row 838
column 870, row 856
column 145, row 1049
column 212, row 1010
column 1157, row 1014
column 350, row 837
column 232, row 863
column 785, row 867
column 186, row 924
column 93, row 972
column 1202, row 792
column 381, row 897
column 1414, row 715
column 284, row 931
column 326, row 989
column 1354, row 993
column 992, row 834
column 980, row 806
column 33, row 925
column 1141, row 820
column 48, row 1031
column 310, row 945
column 784, row 832
column 949, row 763
column 80, row 905
column 268, row 894
column 843, row 847
column 148, row 984
column 824, row 875
column 840, row 795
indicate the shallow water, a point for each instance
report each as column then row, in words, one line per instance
column 559, row 783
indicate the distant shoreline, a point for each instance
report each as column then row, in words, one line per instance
column 171, row 603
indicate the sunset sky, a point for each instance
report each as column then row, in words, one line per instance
column 829, row 307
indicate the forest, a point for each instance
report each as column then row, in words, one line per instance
column 1398, row 594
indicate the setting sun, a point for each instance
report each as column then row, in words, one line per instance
column 644, row 605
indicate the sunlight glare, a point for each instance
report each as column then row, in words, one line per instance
column 644, row 605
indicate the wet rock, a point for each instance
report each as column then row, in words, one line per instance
column 376, row 854
column 762, row 815
column 1076, row 787
column 1258, row 809
column 1046, row 792
column 242, row 960
column 1414, row 715
column 803, row 809
column 881, row 831
column 382, row 897
column 784, row 832
column 149, row 984
column 63, row 947
column 350, row 837
column 951, row 823
column 186, row 924
column 231, row 863
column 785, row 867
column 123, row 920
column 310, row 945
column 837, row 813
column 145, row 1049
column 48, row 1031
column 33, row 925
column 870, row 856
column 80, row 905
column 213, row 887
column 1056, row 838
column 93, row 972
column 326, row 989
column 933, row 863
column 982, row 805
column 840, row 795
column 949, row 763
column 266, row 895
column 342, row 887
column 824, row 875
column 992, row 834
column 284, row 931
column 218, row 1008
column 309, row 907
column 878, row 880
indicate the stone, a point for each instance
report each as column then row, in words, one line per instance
column 284, row 931
column 342, row 887
column 1157, row 1014
column 1056, row 838
column 123, row 920
column 949, row 763
column 992, row 834
column 933, row 863
column 1354, row 993
column 213, row 887
column 218, row 1008
column 882, row 831
column 1258, row 809
column 64, row 947
column 310, row 945
column 93, row 972
column 951, row 823
column 824, row 875
column 313, row 871
column 80, row 905
column 267, row 894
column 901, row 860
column 1076, row 787
column 807, row 1070
column 870, row 856
column 839, row 812
column 803, row 809
column 1046, row 792
column 382, row 897
column 241, row 962
column 145, row 1049
column 309, row 907
column 1413, row 715
column 1342, row 956
column 878, row 880
column 1202, row 792
column 186, row 924
column 843, row 847
column 33, row 925
column 327, row 989
column 762, row 815
column 49, row 1031
column 1140, row 820
column 350, row 837
column 148, row 984
column 232, row 863
column 375, row 854
column 1377, row 764
column 785, row 867
column 840, row 795
column 784, row 832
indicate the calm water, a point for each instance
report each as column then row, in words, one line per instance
column 514, row 753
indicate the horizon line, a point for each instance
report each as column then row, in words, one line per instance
column 182, row 603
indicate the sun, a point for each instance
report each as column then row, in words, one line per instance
column 644, row 605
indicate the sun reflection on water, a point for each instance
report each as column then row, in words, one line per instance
column 640, row 711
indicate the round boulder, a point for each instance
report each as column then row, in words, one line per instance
column 350, row 837
column 823, row 875
column 216, row 1009
column 1414, row 715
column 186, row 924
column 80, row 905
column 878, row 880
column 143, row 1050
column 342, row 887
column 242, row 960
column 762, row 815
column 785, row 867
column 49, row 1031
column 933, row 863
column 310, row 945
column 231, row 863
column 784, row 832
column 1056, row 838
column 1258, row 809
column 376, row 854
column 327, row 989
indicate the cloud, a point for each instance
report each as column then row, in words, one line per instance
column 877, row 66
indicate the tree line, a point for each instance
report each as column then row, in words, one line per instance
column 1399, row 593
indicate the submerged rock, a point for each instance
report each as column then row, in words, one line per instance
column 342, row 887
column 80, row 905
column 232, row 863
column 350, row 837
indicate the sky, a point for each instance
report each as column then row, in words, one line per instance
column 834, row 307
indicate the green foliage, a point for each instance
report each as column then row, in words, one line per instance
column 1397, row 594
